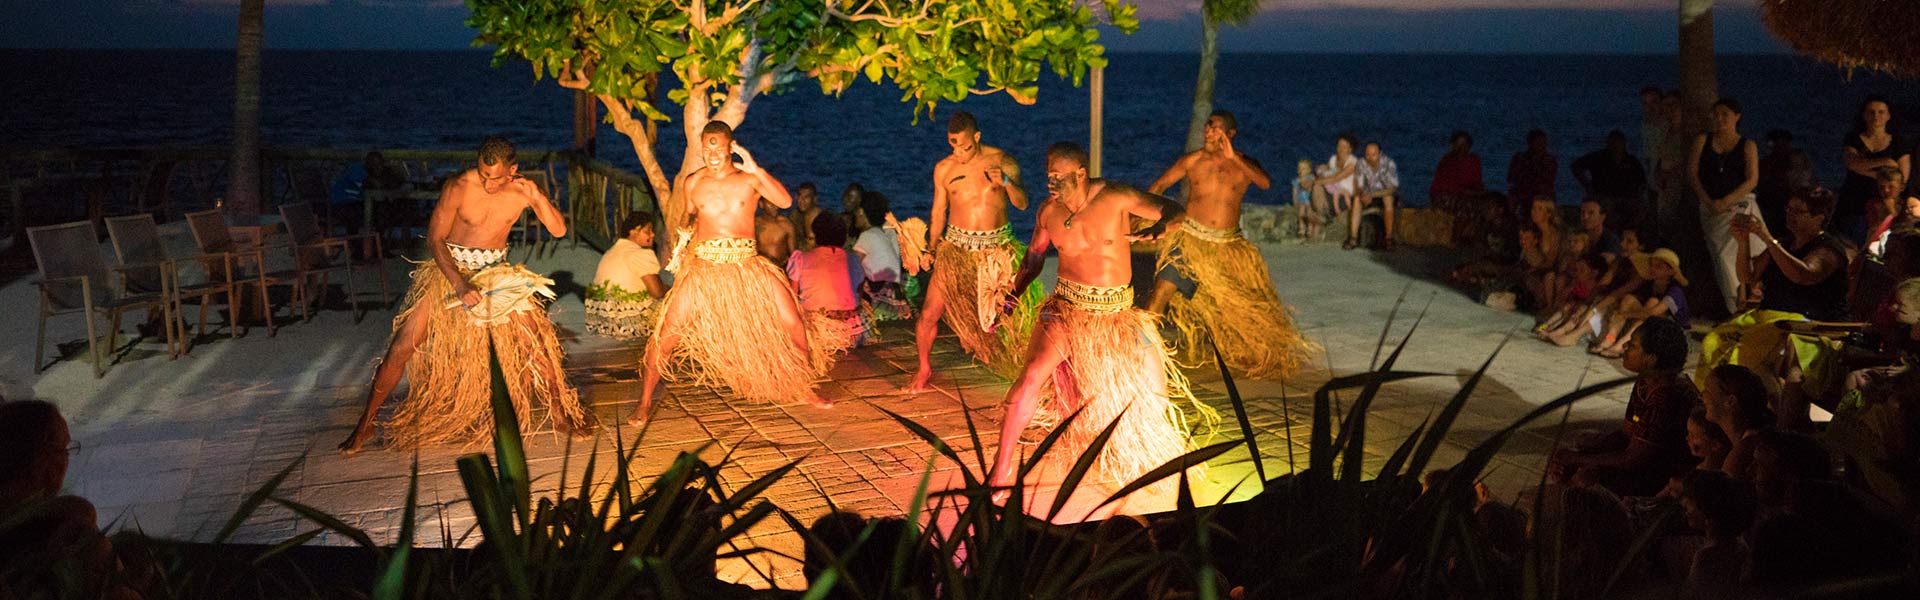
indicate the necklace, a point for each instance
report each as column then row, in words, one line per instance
column 1071, row 213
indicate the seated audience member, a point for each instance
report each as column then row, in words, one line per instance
column 1459, row 189
column 1336, row 179
column 1878, row 416
column 806, row 206
column 1722, row 508
column 1658, row 293
column 1581, row 526
column 773, row 234
column 1379, row 182
column 1706, row 441
column 1782, row 460
column 1576, row 246
column 1613, row 178
column 1892, row 210
column 850, row 213
column 1804, row 279
column 1739, row 403
column 1575, row 303
column 1783, row 169
column 1617, row 278
column 1531, row 172
column 1601, row 239
column 1309, row 208
column 1650, row 446
column 626, row 290
column 48, row 537
column 879, row 252
column 826, row 275
column 835, row 538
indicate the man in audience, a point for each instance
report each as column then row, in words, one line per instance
column 48, row 533
column 1783, row 169
column 1651, row 444
column 1379, row 181
column 806, row 206
column 879, row 252
column 1459, row 189
column 1531, row 173
column 1614, row 178
column 1601, row 240
column 774, row 234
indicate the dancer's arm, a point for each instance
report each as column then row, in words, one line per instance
column 1173, row 175
column 1248, row 165
column 1165, row 213
column 1008, row 180
column 1032, row 264
column 937, row 222
column 438, row 227
column 763, row 182
column 543, row 209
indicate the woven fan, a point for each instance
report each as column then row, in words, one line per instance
column 504, row 290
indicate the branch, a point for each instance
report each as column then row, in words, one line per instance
column 888, row 20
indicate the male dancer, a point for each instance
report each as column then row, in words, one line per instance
column 467, row 298
column 731, row 319
column 1211, row 280
column 974, row 255
column 1104, row 357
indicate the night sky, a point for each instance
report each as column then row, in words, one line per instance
column 1347, row 26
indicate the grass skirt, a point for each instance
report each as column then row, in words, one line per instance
column 1235, row 302
column 973, row 281
column 733, row 337
column 450, row 397
column 1118, row 366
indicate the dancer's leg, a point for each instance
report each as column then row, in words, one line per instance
column 1044, row 358
column 658, row 349
column 925, row 329
column 787, row 310
column 392, row 367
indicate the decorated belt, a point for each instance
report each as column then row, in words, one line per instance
column 842, row 315
column 725, row 250
column 977, row 240
column 473, row 259
column 1210, row 234
column 1094, row 298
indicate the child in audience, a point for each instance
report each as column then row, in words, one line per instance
column 1307, row 205
column 1659, row 294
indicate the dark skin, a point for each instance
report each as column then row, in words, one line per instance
column 1616, row 449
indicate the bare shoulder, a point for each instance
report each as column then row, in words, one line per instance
column 460, row 185
column 996, row 155
column 941, row 168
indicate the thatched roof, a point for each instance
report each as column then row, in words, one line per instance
column 1882, row 35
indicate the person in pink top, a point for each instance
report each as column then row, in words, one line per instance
column 825, row 276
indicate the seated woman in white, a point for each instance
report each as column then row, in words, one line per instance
column 626, row 291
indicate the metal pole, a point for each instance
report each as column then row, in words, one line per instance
column 1098, row 97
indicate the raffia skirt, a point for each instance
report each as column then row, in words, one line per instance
column 972, row 281
column 732, row 335
column 1118, row 367
column 450, row 397
column 1234, row 302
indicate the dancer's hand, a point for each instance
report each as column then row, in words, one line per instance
column 470, row 297
column 747, row 164
column 1009, row 301
column 1226, row 147
column 1149, row 234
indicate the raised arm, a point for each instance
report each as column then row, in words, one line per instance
column 1010, row 182
column 1250, row 167
column 1165, row 213
column 763, row 182
column 543, row 208
column 1173, row 175
column 438, row 227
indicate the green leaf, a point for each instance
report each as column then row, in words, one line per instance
column 392, row 581
column 506, row 442
column 252, row 503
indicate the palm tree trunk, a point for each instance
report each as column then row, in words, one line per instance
column 1698, row 91
column 1203, row 89
column 1699, row 88
column 243, row 183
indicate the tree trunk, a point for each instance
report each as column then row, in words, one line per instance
column 243, row 183
column 1203, row 89
column 1699, row 88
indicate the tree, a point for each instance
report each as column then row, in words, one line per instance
column 1212, row 14
column 1699, row 88
column 721, row 54
column 243, row 168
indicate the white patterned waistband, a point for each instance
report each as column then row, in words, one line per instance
column 467, row 258
column 1093, row 298
column 726, row 250
column 978, row 240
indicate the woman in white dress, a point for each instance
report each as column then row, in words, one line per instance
column 1336, row 178
column 626, row 290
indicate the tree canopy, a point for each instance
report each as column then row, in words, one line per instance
column 724, row 53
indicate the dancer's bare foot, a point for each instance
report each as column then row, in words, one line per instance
column 817, row 402
column 1002, row 490
column 638, row 418
column 920, row 383
column 356, row 441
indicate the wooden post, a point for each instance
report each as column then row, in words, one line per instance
column 586, row 123
column 1099, row 91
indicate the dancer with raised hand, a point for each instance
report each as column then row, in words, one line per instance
column 1212, row 281
column 465, row 299
column 731, row 320
column 974, row 255
column 1091, row 350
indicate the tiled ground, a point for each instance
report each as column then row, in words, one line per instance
column 172, row 446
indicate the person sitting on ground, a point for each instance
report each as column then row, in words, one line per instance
column 1379, row 181
column 1650, row 446
column 1659, row 294
column 1706, row 441
column 1459, row 190
column 806, row 206
column 1892, row 210
column 47, row 537
column 1739, row 402
column 1721, row 508
column 879, row 252
column 1576, row 246
column 826, row 276
column 1601, row 239
column 774, row 234
column 1878, row 417
column 1613, row 177
column 626, row 290
column 1802, row 280
column 1531, row 173
column 1782, row 170
column 1309, row 208
column 1617, row 279
column 1783, row 460
column 850, row 213
column 1336, row 178
column 1575, row 302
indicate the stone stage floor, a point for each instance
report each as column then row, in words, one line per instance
column 171, row 446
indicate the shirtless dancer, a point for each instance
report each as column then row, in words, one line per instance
column 465, row 296
column 1103, row 356
column 975, row 256
column 1211, row 280
column 731, row 319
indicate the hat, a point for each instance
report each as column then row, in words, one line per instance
column 1643, row 263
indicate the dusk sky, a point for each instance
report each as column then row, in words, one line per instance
column 1356, row 26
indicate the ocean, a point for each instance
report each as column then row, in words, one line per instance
column 1290, row 107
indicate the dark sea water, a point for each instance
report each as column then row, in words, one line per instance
column 1291, row 106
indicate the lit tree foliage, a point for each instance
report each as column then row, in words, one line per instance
column 724, row 53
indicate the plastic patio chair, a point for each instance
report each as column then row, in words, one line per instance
column 320, row 255
column 136, row 239
column 74, row 277
column 210, row 234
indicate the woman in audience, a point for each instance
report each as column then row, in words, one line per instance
column 825, row 277
column 626, row 291
column 1739, row 403
column 1337, row 177
column 1869, row 147
column 1802, row 279
column 1706, row 441
column 1892, row 209
column 1721, row 174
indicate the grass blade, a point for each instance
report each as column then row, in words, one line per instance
column 289, row 544
column 1081, row 464
column 392, row 581
column 330, row 522
column 1178, row 464
column 939, row 445
column 507, row 447
column 496, row 522
column 1240, row 411
column 1443, row 422
column 253, row 501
